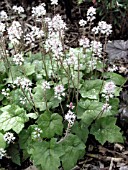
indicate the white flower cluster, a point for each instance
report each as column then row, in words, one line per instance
column 84, row 42
column 17, row 9
column 91, row 14
column 45, row 85
column 108, row 90
column 3, row 15
column 76, row 52
column 106, row 107
column 33, row 35
column 18, row 59
column 2, row 153
column 9, row 137
column 59, row 91
column 23, row 82
column 15, row 32
column 2, row 28
column 72, row 60
column 37, row 132
column 82, row 22
column 92, row 63
column 70, row 117
column 5, row 92
column 96, row 48
column 102, row 28
column 53, row 43
column 39, row 11
column 56, row 27
column 54, row 2
column 56, row 23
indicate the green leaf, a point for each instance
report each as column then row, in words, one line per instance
column 24, row 138
column 116, row 78
column 90, row 110
column 12, row 117
column 15, row 72
column 15, row 96
column 41, row 96
column 2, row 141
column 2, row 66
column 74, row 149
column 28, row 69
column 14, row 152
column 32, row 115
column 105, row 129
column 81, row 130
column 79, row 1
column 46, row 154
column 51, row 124
column 91, row 89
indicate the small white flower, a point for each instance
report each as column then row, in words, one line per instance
column 5, row 92
column 2, row 153
column 54, row 44
column 82, row 23
column 36, row 133
column 3, row 15
column 108, row 90
column 59, row 91
column 95, row 30
column 2, row 28
column 23, row 100
column 92, row 64
column 9, row 137
column 85, row 42
column 33, row 35
column 45, row 85
column 37, row 33
column 122, row 69
column 113, row 68
column 70, row 117
column 91, row 11
column 18, row 59
column 105, row 28
column 15, row 32
column 17, row 9
column 96, row 48
column 106, row 107
column 109, row 87
column 91, row 14
column 54, row 2
column 23, row 82
column 39, row 11
column 57, row 24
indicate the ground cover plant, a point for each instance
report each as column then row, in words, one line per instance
column 53, row 96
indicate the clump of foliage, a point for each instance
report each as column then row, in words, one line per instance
column 51, row 100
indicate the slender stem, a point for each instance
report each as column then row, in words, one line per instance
column 78, row 79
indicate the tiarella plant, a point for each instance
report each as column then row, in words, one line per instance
column 53, row 99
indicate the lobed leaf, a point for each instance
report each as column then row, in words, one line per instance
column 51, row 124
column 46, row 154
column 105, row 130
column 74, row 149
column 12, row 117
